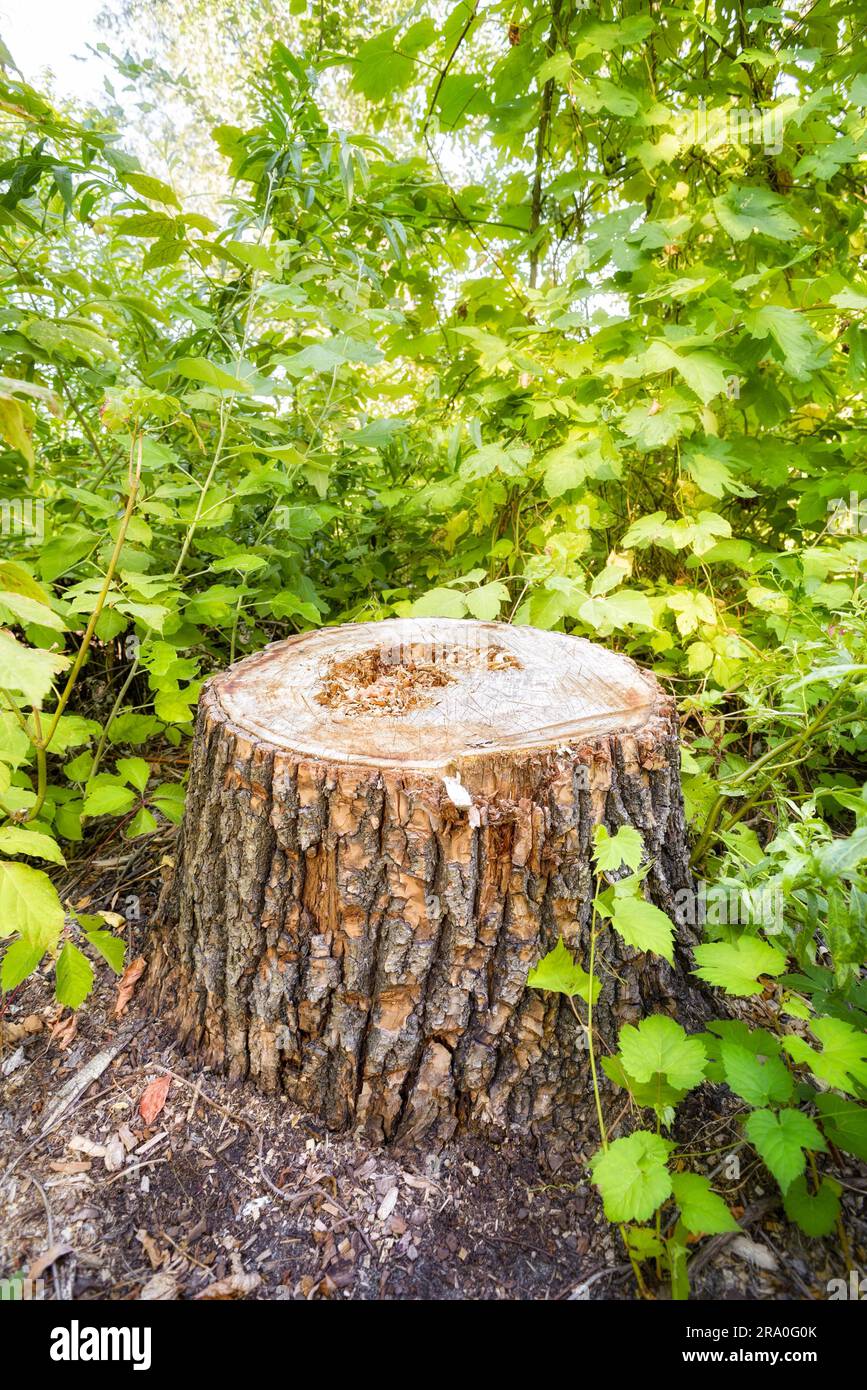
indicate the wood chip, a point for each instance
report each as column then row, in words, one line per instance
column 387, row 1205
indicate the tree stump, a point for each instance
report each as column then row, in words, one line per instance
column 387, row 825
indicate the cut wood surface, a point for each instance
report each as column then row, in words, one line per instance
column 387, row 825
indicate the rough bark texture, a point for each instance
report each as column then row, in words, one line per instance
column 347, row 934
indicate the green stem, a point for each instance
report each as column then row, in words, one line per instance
column 42, row 742
column 789, row 745
column 591, row 1048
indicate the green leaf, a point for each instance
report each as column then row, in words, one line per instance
column 72, row 731
column 135, row 771
column 632, row 1176
column 558, row 972
column 27, row 610
column 200, row 369
column 74, row 979
column 744, row 211
column 780, row 1140
column 20, row 959
column 844, row 1123
column 659, row 1046
column 703, row 1211
column 815, row 1213
column 112, row 799
column 440, row 603
column 643, row 926
column 842, row 1062
column 757, row 1080
column 736, row 966
column 802, row 352
column 656, row 1094
column 169, row 798
column 29, row 904
column 14, row 744
column 485, row 602
column 142, row 823
column 149, row 187
column 175, row 706
column 611, row 852
column 27, row 670
column 613, row 612
column 15, row 839
column 110, row 947
column 13, row 427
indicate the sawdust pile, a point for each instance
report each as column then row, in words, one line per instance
column 373, row 682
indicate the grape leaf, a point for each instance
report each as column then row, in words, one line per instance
column 558, row 972
column 736, row 966
column 844, row 1123
column 643, row 926
column 659, row 1046
column 632, row 1176
column 842, row 1062
column 703, row 1211
column 815, row 1213
column 780, row 1140
column 757, row 1080
column 28, row 670
column 611, row 851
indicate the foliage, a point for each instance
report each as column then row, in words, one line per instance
column 789, row 1120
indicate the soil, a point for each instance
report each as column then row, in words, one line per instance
column 223, row 1192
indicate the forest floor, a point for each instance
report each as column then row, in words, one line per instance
column 222, row 1192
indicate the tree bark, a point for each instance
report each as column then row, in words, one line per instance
column 341, row 925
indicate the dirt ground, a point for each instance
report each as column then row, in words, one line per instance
column 107, row 1193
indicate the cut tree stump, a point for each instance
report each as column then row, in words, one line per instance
column 387, row 825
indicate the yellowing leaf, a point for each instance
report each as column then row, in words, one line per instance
column 29, row 904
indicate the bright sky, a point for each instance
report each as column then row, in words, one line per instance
column 50, row 34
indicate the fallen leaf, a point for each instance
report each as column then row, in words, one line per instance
column 14, row 1032
column 128, row 981
column 152, row 1250
column 63, row 1031
column 160, row 1287
column 233, row 1286
column 753, row 1253
column 154, row 1098
column 45, row 1261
